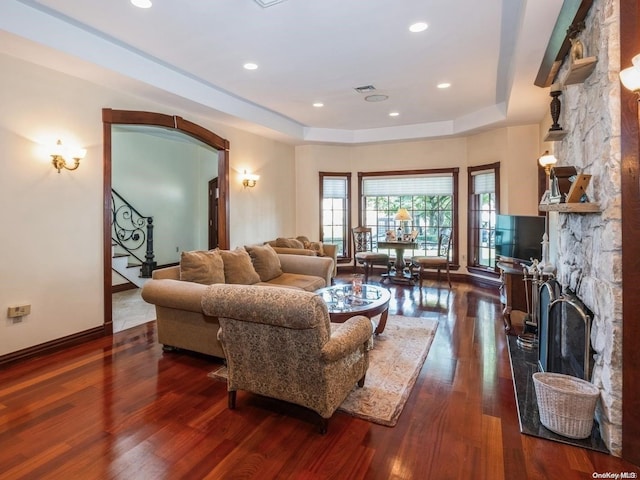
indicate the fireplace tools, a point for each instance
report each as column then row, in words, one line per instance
column 534, row 276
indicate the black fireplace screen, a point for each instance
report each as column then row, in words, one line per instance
column 549, row 292
column 565, row 335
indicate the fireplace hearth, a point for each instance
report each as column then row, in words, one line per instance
column 564, row 346
column 524, row 363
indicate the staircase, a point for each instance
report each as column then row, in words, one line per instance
column 130, row 232
column 122, row 264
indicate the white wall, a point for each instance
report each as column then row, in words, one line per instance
column 165, row 178
column 51, row 234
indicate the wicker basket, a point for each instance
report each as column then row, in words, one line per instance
column 566, row 404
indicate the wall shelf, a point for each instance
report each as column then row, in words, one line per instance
column 579, row 70
column 555, row 135
column 588, row 207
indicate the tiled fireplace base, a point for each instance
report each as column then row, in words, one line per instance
column 524, row 363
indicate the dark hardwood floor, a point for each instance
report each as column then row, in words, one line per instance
column 120, row 408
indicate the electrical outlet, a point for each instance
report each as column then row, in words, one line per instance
column 18, row 311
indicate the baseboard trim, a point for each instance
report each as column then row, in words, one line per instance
column 487, row 282
column 52, row 346
column 483, row 282
column 123, row 287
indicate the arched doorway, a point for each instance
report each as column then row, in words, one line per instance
column 112, row 117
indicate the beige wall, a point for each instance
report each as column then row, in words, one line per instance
column 51, row 234
column 267, row 210
column 516, row 148
column 521, row 171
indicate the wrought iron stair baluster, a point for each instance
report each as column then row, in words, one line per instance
column 130, row 230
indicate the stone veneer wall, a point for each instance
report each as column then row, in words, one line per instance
column 590, row 245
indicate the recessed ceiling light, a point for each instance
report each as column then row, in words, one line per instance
column 444, row 85
column 377, row 97
column 142, row 3
column 318, row 104
column 250, row 66
column 394, row 114
column 418, row 27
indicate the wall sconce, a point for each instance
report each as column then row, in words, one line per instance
column 249, row 179
column 630, row 77
column 59, row 152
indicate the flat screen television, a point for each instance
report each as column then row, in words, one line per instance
column 519, row 237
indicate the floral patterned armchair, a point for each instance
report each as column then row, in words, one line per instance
column 279, row 343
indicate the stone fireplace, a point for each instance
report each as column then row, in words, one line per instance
column 587, row 248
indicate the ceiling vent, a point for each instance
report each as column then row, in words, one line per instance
column 365, row 89
column 268, row 3
column 372, row 97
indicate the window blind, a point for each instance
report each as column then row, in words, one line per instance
column 334, row 187
column 441, row 184
column 484, row 182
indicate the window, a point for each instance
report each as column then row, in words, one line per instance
column 335, row 227
column 484, row 182
column 430, row 197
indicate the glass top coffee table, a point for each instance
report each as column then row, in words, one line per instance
column 343, row 304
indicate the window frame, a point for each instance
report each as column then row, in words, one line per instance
column 347, row 212
column 472, row 268
column 453, row 172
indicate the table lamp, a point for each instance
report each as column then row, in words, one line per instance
column 403, row 217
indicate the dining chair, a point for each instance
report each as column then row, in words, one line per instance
column 437, row 262
column 364, row 254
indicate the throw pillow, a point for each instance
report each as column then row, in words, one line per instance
column 316, row 247
column 265, row 261
column 297, row 251
column 238, row 267
column 202, row 267
column 303, row 239
column 288, row 243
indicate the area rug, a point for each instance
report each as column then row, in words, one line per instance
column 394, row 364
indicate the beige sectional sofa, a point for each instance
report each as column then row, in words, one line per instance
column 303, row 246
column 181, row 322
